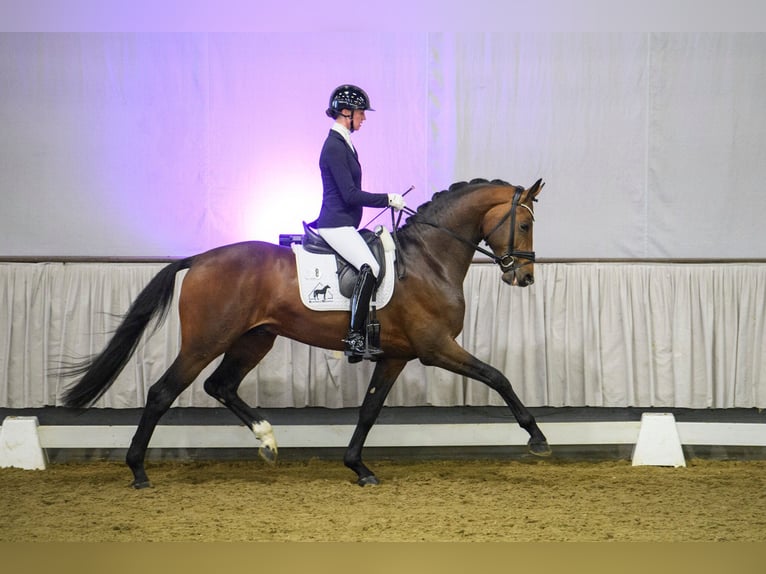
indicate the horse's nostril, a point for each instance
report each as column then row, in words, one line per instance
column 529, row 279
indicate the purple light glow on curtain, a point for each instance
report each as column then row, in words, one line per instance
column 170, row 144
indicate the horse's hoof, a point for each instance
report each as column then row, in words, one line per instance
column 371, row 480
column 268, row 454
column 140, row 485
column 539, row 448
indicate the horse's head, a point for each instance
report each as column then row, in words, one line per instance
column 507, row 229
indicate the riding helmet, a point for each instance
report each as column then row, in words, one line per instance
column 348, row 97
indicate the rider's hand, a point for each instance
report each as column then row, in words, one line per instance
column 396, row 201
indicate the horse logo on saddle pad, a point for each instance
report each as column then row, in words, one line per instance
column 326, row 280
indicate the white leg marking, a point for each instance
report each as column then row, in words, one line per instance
column 265, row 434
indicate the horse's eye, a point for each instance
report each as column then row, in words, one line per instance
column 524, row 227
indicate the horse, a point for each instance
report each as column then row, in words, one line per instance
column 236, row 299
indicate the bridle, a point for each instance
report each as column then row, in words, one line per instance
column 507, row 261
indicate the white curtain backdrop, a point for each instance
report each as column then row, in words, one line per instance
column 608, row 334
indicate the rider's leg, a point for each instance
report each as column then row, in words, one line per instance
column 352, row 247
column 360, row 305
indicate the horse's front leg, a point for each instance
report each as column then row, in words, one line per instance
column 383, row 378
column 456, row 359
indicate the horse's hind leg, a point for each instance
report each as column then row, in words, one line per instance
column 159, row 398
column 222, row 385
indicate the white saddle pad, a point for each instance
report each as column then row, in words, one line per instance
column 318, row 279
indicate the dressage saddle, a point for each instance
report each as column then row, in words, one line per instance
column 347, row 273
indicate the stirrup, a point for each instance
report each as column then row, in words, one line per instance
column 358, row 349
column 355, row 344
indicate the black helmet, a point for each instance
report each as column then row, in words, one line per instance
column 348, row 97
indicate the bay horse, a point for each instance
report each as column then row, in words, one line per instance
column 236, row 299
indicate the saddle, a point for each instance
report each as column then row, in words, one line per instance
column 347, row 273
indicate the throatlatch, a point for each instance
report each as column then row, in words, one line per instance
column 359, row 344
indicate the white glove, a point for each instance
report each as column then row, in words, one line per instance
column 396, row 201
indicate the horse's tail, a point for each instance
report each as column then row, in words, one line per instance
column 101, row 370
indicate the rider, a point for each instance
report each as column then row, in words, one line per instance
column 342, row 203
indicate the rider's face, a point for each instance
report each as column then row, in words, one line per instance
column 359, row 118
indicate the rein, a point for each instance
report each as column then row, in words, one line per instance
column 506, row 261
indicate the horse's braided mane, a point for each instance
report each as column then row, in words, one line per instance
column 441, row 198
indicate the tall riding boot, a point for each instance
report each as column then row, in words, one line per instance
column 360, row 305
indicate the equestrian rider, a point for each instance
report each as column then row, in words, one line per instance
column 342, row 203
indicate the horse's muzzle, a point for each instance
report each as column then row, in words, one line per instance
column 526, row 280
column 519, row 277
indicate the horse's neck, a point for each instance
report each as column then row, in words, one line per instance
column 463, row 221
column 446, row 255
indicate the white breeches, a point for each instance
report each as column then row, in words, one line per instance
column 350, row 245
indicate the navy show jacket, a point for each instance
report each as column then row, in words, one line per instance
column 343, row 198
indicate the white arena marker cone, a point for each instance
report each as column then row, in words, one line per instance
column 658, row 442
column 20, row 444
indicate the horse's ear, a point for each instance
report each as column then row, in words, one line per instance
column 536, row 189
